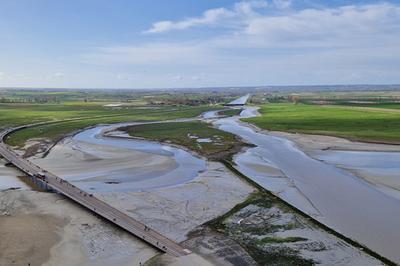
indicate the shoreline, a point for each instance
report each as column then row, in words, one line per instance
column 311, row 142
column 312, row 145
column 197, row 155
column 335, row 143
column 238, row 149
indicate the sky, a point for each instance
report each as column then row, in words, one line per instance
column 202, row 43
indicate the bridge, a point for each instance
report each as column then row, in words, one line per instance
column 88, row 200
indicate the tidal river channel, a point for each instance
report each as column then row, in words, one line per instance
column 318, row 186
column 332, row 195
column 117, row 164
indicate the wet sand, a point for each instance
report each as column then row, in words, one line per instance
column 110, row 164
column 83, row 239
column 173, row 208
column 9, row 178
column 41, row 234
column 175, row 211
column 310, row 143
column 91, row 166
column 380, row 169
column 378, row 164
column 297, row 236
column 47, row 229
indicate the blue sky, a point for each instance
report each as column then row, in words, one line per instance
column 180, row 43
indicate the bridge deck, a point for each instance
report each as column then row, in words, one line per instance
column 91, row 202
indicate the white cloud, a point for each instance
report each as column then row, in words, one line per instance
column 347, row 23
column 308, row 27
column 357, row 43
column 248, row 7
column 345, row 26
column 210, row 17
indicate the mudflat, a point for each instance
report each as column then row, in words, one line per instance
column 40, row 228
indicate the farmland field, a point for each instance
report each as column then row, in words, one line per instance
column 352, row 123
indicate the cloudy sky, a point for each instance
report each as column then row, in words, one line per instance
column 181, row 43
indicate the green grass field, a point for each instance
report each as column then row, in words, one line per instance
column 351, row 123
column 88, row 115
column 19, row 114
column 187, row 134
column 375, row 105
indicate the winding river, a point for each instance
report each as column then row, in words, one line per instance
column 114, row 164
column 317, row 186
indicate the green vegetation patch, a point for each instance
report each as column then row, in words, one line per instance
column 13, row 114
column 196, row 136
column 84, row 116
column 280, row 257
column 230, row 112
column 351, row 123
column 279, row 240
column 383, row 105
column 268, row 250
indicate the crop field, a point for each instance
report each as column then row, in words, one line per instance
column 353, row 123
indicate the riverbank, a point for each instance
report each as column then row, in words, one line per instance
column 375, row 126
column 325, row 192
column 364, row 160
column 197, row 136
column 309, row 143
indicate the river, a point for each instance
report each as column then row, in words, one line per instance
column 105, row 164
column 330, row 194
column 319, row 186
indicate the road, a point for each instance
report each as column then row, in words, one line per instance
column 89, row 201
